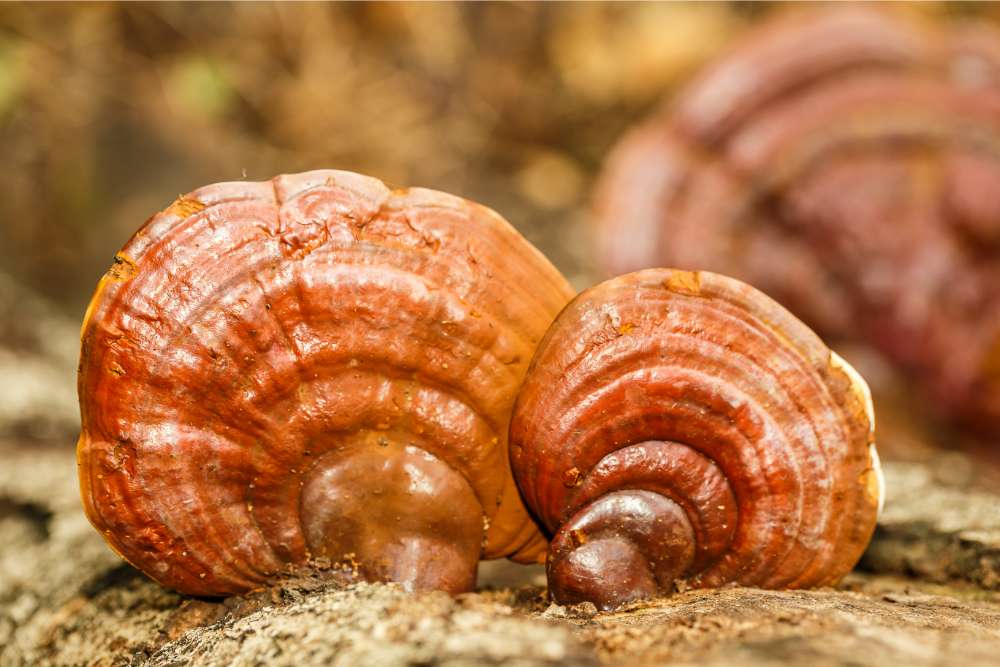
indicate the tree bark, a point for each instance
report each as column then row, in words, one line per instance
column 926, row 594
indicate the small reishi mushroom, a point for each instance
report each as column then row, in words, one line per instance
column 312, row 368
column 682, row 429
column 847, row 162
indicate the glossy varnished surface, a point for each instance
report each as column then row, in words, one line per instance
column 683, row 427
column 311, row 367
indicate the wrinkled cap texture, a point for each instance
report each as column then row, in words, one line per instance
column 681, row 429
column 312, row 368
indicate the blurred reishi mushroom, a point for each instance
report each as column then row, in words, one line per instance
column 847, row 162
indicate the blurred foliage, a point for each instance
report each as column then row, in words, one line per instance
column 108, row 111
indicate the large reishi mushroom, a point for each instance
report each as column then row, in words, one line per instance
column 847, row 162
column 682, row 429
column 312, row 368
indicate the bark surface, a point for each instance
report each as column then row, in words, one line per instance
column 928, row 592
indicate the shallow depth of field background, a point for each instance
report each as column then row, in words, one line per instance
column 109, row 111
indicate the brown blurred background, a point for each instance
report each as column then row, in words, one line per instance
column 109, row 111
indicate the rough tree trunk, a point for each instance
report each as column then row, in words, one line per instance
column 927, row 594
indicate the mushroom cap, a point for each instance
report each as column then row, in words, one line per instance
column 311, row 368
column 690, row 416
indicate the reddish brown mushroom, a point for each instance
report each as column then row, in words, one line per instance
column 682, row 429
column 311, row 368
column 847, row 162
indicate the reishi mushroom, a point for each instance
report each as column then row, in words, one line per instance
column 681, row 429
column 845, row 161
column 312, row 368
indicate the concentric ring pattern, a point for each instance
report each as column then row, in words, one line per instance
column 282, row 371
column 692, row 417
column 847, row 162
